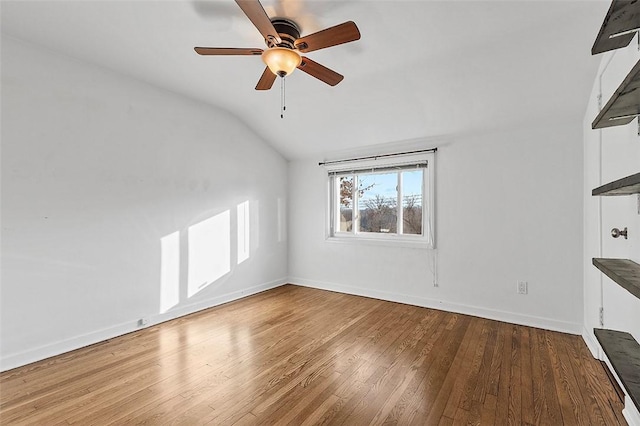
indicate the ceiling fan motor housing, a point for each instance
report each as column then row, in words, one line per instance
column 288, row 31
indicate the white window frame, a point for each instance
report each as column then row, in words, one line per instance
column 382, row 165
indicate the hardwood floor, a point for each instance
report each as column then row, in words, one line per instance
column 301, row 356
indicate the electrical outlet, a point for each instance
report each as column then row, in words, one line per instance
column 523, row 287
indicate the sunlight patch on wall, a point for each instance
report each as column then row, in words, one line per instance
column 255, row 225
column 244, row 233
column 169, row 271
column 209, row 252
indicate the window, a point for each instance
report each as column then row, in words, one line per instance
column 384, row 199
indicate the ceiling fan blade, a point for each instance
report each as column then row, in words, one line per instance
column 226, row 51
column 343, row 33
column 320, row 72
column 256, row 14
column 266, row 81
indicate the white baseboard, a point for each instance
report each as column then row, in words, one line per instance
column 630, row 412
column 591, row 343
column 510, row 317
column 37, row 354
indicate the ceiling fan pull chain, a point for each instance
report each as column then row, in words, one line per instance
column 282, row 98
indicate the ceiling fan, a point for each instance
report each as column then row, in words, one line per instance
column 284, row 45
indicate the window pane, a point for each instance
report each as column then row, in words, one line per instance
column 412, row 202
column 346, row 203
column 377, row 202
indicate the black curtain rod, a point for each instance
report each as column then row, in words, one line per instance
column 375, row 157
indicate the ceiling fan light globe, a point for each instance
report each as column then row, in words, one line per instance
column 281, row 61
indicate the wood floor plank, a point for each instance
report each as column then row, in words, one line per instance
column 566, row 382
column 551, row 399
column 504, row 385
column 526, row 378
column 540, row 414
column 581, row 376
column 483, row 383
column 391, row 368
column 452, row 389
column 471, row 388
column 405, row 408
column 515, row 392
column 488, row 412
column 299, row 404
column 295, row 355
column 434, row 391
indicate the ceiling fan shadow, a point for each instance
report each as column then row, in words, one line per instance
column 221, row 12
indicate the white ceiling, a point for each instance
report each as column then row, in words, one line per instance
column 422, row 69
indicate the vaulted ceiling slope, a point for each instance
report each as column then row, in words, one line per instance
column 422, row 69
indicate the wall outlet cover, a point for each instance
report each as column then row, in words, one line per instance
column 523, row 287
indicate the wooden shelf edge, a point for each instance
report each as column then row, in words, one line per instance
column 626, row 273
column 622, row 16
column 624, row 104
column 623, row 353
column 625, row 186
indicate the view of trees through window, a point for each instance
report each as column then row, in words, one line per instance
column 377, row 202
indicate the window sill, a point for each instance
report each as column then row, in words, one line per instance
column 389, row 242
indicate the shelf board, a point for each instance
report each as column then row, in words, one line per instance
column 625, row 186
column 626, row 273
column 624, row 354
column 624, row 105
column 621, row 17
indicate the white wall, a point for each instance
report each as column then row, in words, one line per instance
column 610, row 154
column 96, row 169
column 509, row 208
